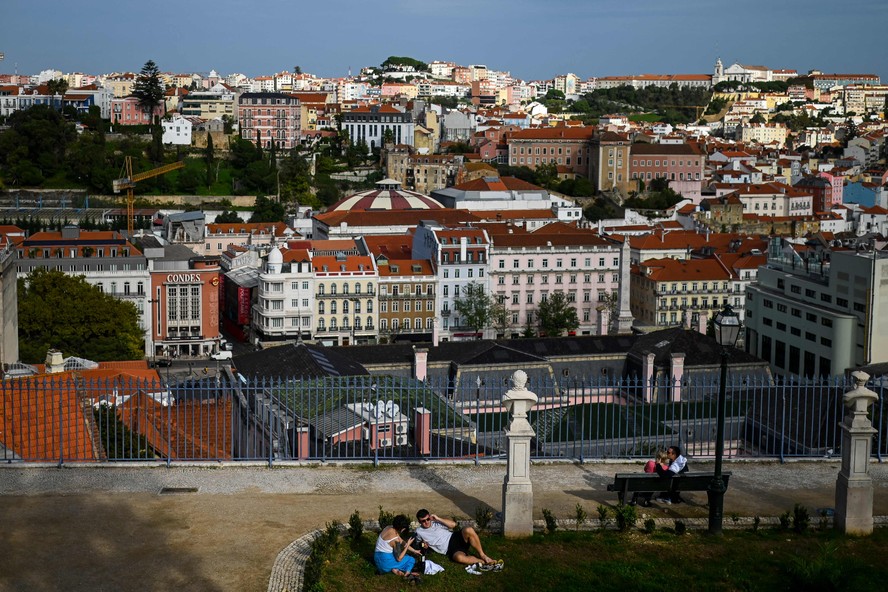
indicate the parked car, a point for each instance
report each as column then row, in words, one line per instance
column 226, row 346
column 161, row 363
column 222, row 355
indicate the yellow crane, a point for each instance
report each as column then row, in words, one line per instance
column 129, row 180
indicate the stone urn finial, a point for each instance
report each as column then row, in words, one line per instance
column 858, row 400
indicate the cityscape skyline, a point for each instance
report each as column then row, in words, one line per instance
column 605, row 38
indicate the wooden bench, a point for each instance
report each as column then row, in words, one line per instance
column 644, row 482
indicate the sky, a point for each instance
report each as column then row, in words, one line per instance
column 531, row 39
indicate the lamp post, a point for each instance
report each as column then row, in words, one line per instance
column 727, row 329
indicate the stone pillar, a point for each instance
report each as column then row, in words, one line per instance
column 678, row 367
column 420, row 363
column 647, row 377
column 624, row 314
column 517, row 488
column 854, row 486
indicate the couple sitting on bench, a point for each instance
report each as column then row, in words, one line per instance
column 666, row 464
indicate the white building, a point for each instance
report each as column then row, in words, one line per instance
column 176, row 131
column 285, row 303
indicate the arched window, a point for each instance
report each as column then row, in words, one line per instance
column 345, row 306
column 357, row 322
column 370, row 306
column 394, row 324
column 321, row 308
column 320, row 324
column 333, row 324
column 357, row 306
column 358, row 288
column 383, row 324
column 333, row 307
column 369, row 287
column 332, row 288
column 406, row 324
column 345, row 288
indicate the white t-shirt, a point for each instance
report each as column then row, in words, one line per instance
column 678, row 464
column 436, row 535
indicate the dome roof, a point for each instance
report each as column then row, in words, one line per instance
column 387, row 195
column 275, row 256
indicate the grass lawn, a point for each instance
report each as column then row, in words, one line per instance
column 766, row 560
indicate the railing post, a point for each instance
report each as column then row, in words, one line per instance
column 61, row 426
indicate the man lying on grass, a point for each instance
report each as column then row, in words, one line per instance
column 438, row 534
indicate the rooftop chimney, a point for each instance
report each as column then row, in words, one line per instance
column 54, row 362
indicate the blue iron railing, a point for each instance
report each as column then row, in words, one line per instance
column 384, row 418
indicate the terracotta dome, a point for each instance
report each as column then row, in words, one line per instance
column 388, row 195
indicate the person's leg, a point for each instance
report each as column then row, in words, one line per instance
column 474, row 542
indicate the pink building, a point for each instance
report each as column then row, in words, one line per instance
column 681, row 164
column 128, row 111
column 838, row 186
column 526, row 269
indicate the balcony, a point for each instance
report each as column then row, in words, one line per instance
column 445, row 312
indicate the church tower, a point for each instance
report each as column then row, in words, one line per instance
column 719, row 73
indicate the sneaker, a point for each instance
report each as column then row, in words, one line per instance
column 499, row 565
column 664, row 500
column 473, row 569
column 495, row 566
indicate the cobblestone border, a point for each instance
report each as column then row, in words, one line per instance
column 289, row 567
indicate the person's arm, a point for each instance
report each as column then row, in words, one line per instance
column 444, row 521
column 404, row 548
column 663, row 472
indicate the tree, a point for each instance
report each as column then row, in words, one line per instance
column 546, row 174
column 500, row 316
column 474, row 307
column 758, row 118
column 267, row 211
column 148, row 88
column 58, row 311
column 228, row 217
column 555, row 315
column 209, row 159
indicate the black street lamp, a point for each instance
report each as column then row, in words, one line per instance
column 727, row 330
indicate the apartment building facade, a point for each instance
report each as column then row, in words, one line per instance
column 285, row 302
column 460, row 257
column 525, row 269
column 345, row 299
column 564, row 146
column 820, row 315
column 370, row 125
column 267, row 117
column 407, row 299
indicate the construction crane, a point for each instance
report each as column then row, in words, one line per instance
column 129, row 180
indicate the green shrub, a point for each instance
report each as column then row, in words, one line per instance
column 823, row 571
column 785, row 520
column 680, row 527
column 551, row 523
column 626, row 517
column 602, row 513
column 800, row 518
column 581, row 515
column 483, row 516
column 385, row 518
column 756, row 522
column 321, row 548
column 650, row 525
column 824, row 520
column 355, row 526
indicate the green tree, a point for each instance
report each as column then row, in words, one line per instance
column 267, row 210
column 209, row 159
column 59, row 311
column 758, row 118
column 546, row 174
column 228, row 217
column 500, row 316
column 475, row 307
column 554, row 94
column 34, row 147
column 148, row 88
column 555, row 315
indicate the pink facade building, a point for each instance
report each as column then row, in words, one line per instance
column 267, row 117
column 681, row 164
column 128, row 111
column 526, row 269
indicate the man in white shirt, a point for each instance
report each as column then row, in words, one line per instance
column 677, row 464
column 438, row 533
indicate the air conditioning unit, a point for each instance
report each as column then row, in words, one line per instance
column 401, row 428
column 401, row 440
column 384, row 442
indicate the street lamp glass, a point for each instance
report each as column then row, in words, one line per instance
column 727, row 326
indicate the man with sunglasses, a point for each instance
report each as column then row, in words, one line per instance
column 438, row 533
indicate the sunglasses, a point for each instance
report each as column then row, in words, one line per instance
column 426, row 519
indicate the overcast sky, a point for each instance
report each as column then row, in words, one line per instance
column 532, row 39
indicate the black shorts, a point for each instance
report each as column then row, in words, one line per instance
column 457, row 543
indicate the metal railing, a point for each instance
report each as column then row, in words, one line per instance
column 380, row 418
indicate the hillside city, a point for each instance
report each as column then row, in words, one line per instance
column 426, row 203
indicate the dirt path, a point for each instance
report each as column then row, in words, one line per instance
column 112, row 529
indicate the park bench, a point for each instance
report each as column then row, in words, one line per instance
column 641, row 482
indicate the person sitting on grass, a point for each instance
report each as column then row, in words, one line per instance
column 391, row 551
column 438, row 533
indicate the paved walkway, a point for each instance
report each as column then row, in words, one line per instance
column 216, row 527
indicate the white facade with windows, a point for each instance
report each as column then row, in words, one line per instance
column 284, row 307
